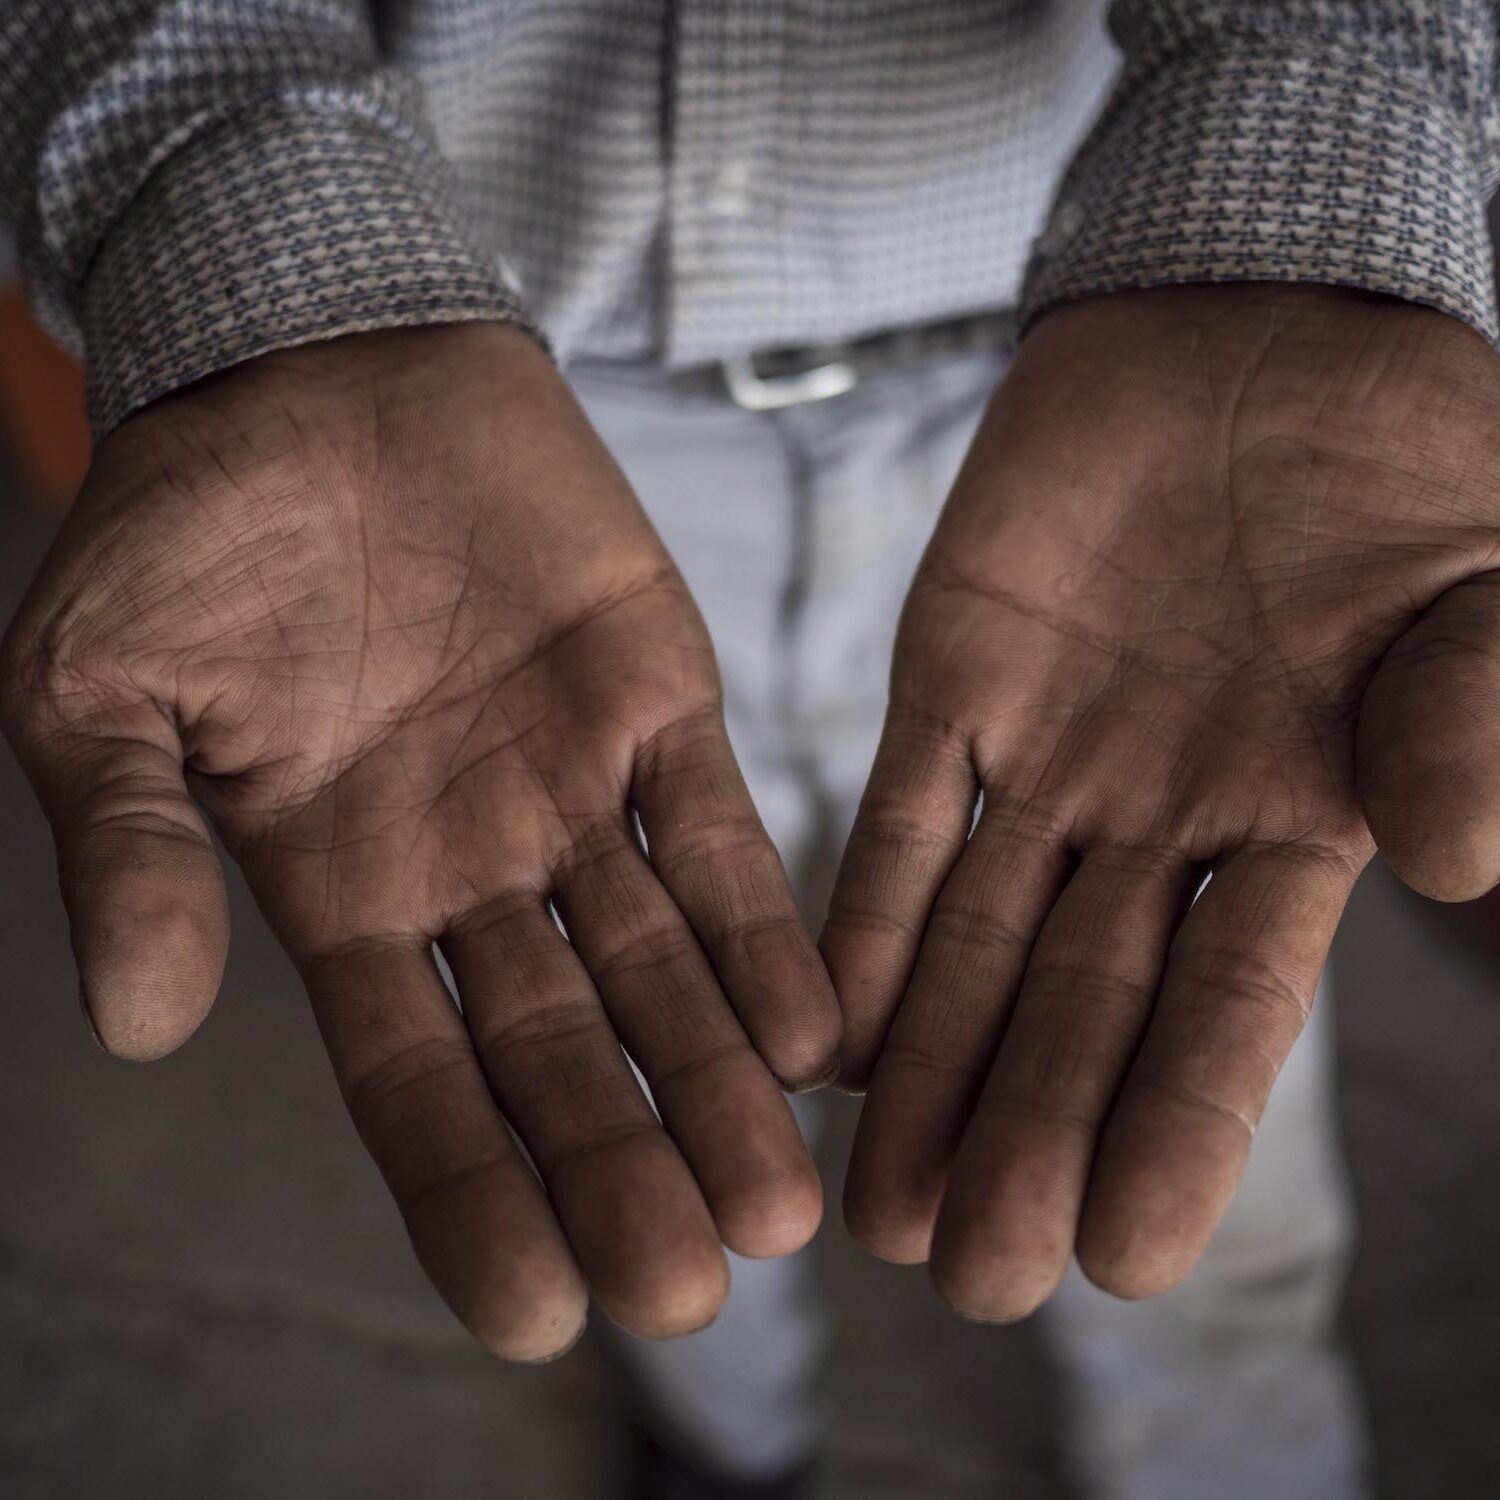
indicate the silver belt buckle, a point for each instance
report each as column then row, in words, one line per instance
column 750, row 389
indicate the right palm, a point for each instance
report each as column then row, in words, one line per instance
column 424, row 660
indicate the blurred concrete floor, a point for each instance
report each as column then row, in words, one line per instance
column 204, row 1293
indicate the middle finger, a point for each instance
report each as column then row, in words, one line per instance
column 629, row 1205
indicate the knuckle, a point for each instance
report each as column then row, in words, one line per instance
column 974, row 928
column 696, row 1069
column 750, row 931
column 612, row 1141
column 426, row 1061
column 643, row 952
column 1011, row 818
column 137, row 795
column 1090, row 989
column 1163, row 860
column 889, row 824
column 921, row 736
column 1247, row 981
column 1039, row 1107
column 688, row 738
column 1195, row 1100
column 928, row 1050
column 569, row 1022
column 728, row 839
column 600, row 850
column 857, row 924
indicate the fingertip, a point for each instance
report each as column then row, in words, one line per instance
column 540, row 1335
column 800, row 1039
column 537, row 1332
column 1451, row 884
column 1165, row 1172
column 1428, row 765
column 779, row 1218
column 150, row 942
column 1437, row 828
column 811, row 1083
column 678, row 1295
column 645, row 1237
column 525, row 1357
column 807, row 1064
column 1000, row 1248
column 853, row 1075
column 1139, row 1241
column 1133, row 1272
column 499, row 1262
column 133, row 1039
column 891, row 1227
column 980, row 1292
column 809, row 1068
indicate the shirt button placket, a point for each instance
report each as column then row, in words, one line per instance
column 725, row 76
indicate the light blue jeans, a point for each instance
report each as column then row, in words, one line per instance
column 798, row 532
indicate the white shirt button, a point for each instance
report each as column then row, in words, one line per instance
column 728, row 191
column 1067, row 220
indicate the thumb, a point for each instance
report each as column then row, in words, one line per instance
column 1429, row 746
column 140, row 879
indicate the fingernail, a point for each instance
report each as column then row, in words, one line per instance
column 552, row 1359
column 987, row 1319
column 88, row 1019
column 809, row 1085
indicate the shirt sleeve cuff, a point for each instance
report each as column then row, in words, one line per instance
column 1271, row 163
column 269, row 231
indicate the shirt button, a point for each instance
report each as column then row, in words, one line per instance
column 728, row 192
column 1067, row 220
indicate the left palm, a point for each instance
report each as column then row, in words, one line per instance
column 1212, row 595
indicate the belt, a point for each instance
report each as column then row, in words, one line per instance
column 772, row 379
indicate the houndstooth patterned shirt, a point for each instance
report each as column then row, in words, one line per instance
column 198, row 181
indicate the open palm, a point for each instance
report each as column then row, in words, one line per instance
column 1212, row 596
column 388, row 610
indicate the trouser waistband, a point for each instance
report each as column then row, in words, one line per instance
column 772, row 379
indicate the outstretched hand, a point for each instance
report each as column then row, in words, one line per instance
column 388, row 612
column 1217, row 593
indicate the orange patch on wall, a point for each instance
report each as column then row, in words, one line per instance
column 41, row 404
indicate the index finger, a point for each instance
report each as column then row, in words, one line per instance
column 1239, row 986
column 912, row 825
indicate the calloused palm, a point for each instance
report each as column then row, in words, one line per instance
column 1216, row 593
column 388, row 610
